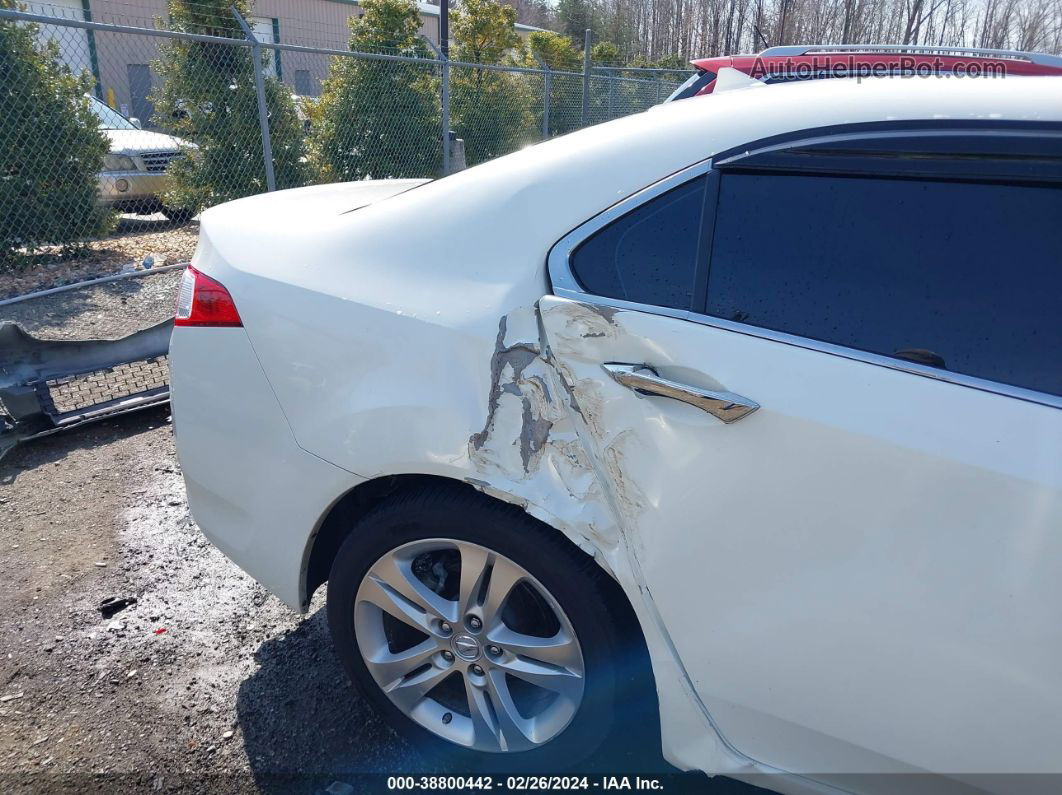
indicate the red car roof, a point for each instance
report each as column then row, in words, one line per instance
column 848, row 62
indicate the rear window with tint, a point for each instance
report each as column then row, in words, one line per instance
column 964, row 276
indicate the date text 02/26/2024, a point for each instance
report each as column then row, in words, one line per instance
column 521, row 783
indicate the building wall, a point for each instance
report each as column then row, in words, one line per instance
column 122, row 62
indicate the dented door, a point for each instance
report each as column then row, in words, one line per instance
column 860, row 575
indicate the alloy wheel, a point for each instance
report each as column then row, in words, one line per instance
column 465, row 642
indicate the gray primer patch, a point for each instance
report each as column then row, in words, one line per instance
column 534, row 432
column 552, row 360
column 517, row 356
column 607, row 312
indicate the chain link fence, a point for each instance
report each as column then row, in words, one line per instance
column 120, row 130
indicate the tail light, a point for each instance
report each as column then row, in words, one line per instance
column 203, row 301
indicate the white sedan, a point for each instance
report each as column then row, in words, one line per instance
column 748, row 407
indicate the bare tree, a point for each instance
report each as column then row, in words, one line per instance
column 659, row 29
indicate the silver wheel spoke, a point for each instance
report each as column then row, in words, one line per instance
column 484, row 727
column 390, row 601
column 514, row 731
column 560, row 650
column 397, row 586
column 409, row 692
column 548, row 677
column 504, row 576
column 475, row 565
column 388, row 667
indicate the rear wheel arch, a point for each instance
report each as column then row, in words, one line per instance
column 338, row 522
column 404, row 504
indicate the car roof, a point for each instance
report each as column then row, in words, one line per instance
column 564, row 181
column 738, row 116
column 894, row 56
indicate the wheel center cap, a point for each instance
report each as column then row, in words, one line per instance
column 466, row 647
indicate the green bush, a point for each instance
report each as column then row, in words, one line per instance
column 493, row 111
column 51, row 149
column 379, row 119
column 559, row 53
column 207, row 96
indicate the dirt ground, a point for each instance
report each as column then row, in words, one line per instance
column 135, row 239
column 206, row 672
column 102, row 311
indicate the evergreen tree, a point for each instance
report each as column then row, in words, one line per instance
column 491, row 110
column 604, row 53
column 51, row 147
column 566, row 92
column 379, row 119
column 208, row 96
column 575, row 17
column 558, row 51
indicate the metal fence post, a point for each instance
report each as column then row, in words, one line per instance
column 547, row 90
column 444, row 62
column 259, row 87
column 611, row 93
column 446, row 115
column 587, row 43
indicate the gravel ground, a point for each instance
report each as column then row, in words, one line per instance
column 103, row 311
column 136, row 238
column 206, row 672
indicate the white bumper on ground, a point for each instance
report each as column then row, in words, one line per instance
column 252, row 490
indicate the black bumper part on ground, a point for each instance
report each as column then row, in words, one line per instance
column 49, row 385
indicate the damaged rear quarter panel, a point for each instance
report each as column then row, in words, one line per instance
column 530, row 449
column 381, row 379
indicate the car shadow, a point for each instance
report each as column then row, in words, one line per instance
column 303, row 724
column 305, row 727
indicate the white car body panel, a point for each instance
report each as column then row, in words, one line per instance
column 135, row 142
column 407, row 337
column 878, row 532
column 248, row 482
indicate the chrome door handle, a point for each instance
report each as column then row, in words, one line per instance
column 726, row 406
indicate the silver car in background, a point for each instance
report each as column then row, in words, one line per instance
column 134, row 171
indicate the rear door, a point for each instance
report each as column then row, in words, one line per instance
column 823, row 376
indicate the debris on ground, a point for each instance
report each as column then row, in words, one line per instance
column 212, row 651
column 115, row 604
column 100, row 311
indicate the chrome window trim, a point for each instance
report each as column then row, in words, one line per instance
column 565, row 285
column 733, row 156
column 559, row 258
column 959, row 379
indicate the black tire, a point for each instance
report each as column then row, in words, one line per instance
column 585, row 593
column 178, row 215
